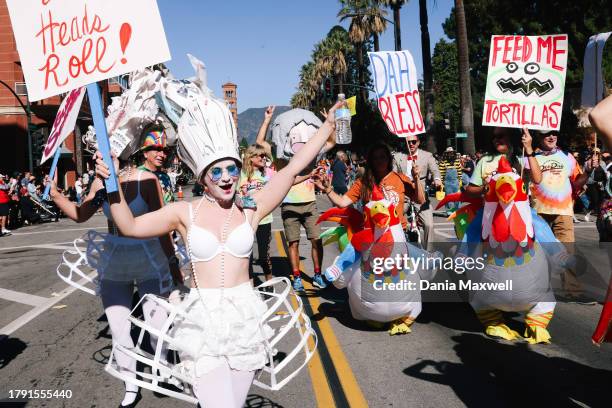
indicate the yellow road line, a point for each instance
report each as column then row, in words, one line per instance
column 320, row 386
column 353, row 392
column 346, row 376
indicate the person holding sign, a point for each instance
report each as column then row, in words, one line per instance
column 502, row 146
column 379, row 172
column 121, row 261
column 221, row 331
column 553, row 197
column 427, row 169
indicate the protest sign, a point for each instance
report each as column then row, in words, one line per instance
column 593, row 87
column 64, row 122
column 66, row 44
column 526, row 81
column 395, row 81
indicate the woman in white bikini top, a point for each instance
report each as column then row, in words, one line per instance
column 216, row 217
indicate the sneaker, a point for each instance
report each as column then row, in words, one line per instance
column 297, row 284
column 587, row 218
column 318, row 281
column 576, row 220
column 6, row 231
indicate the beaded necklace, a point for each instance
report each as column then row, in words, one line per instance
column 223, row 238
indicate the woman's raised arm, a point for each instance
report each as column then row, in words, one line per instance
column 75, row 212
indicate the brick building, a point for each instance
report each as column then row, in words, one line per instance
column 14, row 120
column 230, row 96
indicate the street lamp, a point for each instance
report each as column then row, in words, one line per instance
column 26, row 108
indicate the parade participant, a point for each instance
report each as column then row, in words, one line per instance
column 122, row 262
column 489, row 162
column 290, row 131
column 379, row 172
column 428, row 169
column 553, row 197
column 155, row 153
column 221, row 340
column 253, row 177
column 363, row 240
column 513, row 244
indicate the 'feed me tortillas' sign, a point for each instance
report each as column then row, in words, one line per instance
column 526, row 81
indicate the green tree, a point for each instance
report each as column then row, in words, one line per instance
column 578, row 19
column 465, row 91
column 427, row 76
column 396, row 6
column 446, row 79
column 366, row 20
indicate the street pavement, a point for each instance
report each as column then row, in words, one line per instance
column 53, row 337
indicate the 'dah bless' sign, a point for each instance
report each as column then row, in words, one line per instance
column 66, row 44
column 395, row 80
column 526, row 81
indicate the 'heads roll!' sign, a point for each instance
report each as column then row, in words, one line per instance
column 526, row 81
column 395, row 80
column 66, row 44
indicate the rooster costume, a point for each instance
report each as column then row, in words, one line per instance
column 515, row 243
column 377, row 233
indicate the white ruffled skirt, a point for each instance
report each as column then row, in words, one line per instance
column 221, row 325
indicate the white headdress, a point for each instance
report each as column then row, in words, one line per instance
column 206, row 127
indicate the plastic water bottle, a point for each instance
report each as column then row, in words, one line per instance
column 343, row 123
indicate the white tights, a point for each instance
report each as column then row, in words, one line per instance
column 117, row 301
column 223, row 387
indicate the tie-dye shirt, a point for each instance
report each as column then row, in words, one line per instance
column 303, row 192
column 256, row 183
column 554, row 194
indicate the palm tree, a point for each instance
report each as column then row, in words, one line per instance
column 367, row 20
column 427, row 76
column 396, row 5
column 330, row 56
column 465, row 92
column 358, row 32
column 376, row 21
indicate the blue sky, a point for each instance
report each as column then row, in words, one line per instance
column 261, row 45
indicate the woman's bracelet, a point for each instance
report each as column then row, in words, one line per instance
column 329, row 191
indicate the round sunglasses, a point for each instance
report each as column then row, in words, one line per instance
column 216, row 173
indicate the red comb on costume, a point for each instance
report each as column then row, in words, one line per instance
column 504, row 165
column 377, row 194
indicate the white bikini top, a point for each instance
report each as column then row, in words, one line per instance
column 138, row 205
column 205, row 246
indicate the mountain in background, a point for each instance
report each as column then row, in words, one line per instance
column 250, row 120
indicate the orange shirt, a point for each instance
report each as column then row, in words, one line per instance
column 394, row 186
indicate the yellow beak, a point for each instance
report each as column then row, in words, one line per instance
column 505, row 189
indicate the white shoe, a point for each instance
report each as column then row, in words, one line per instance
column 587, row 218
column 576, row 220
column 6, row 231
